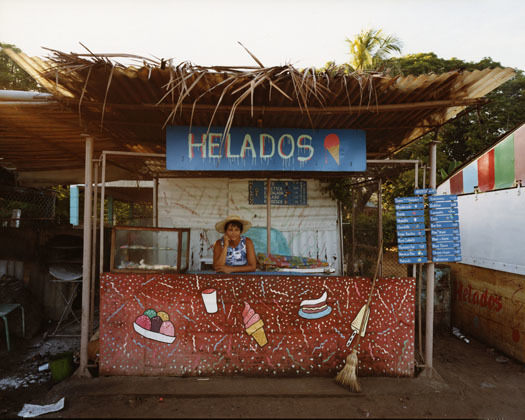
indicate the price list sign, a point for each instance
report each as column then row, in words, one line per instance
column 410, row 226
column 444, row 228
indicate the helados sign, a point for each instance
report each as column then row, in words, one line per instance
column 259, row 149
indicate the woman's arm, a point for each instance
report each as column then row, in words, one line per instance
column 219, row 255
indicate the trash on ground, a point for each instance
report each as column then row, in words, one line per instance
column 487, row 385
column 459, row 335
column 502, row 359
column 34, row 410
column 43, row 367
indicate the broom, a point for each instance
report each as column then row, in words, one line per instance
column 348, row 376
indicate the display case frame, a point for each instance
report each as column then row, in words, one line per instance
column 180, row 232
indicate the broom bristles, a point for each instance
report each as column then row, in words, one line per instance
column 348, row 376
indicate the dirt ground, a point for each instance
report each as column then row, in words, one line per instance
column 470, row 381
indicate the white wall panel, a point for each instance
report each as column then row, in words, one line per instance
column 492, row 227
column 198, row 203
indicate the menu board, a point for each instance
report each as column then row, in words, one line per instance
column 412, row 222
column 444, row 228
column 283, row 193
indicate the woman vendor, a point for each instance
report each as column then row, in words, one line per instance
column 233, row 253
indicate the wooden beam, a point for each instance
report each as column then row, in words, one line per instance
column 294, row 109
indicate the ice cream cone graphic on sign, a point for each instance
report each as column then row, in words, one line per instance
column 254, row 325
column 331, row 143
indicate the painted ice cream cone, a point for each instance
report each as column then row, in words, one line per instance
column 254, row 325
column 331, row 143
column 334, row 151
column 257, row 332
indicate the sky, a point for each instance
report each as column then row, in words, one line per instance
column 302, row 33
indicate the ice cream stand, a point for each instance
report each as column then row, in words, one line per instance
column 281, row 322
column 252, row 141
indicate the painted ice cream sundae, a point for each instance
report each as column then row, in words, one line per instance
column 155, row 326
column 254, row 325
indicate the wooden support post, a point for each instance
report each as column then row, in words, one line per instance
column 155, row 202
column 93, row 251
column 268, row 216
column 379, row 227
column 86, row 261
column 102, row 203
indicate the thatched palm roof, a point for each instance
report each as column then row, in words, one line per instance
column 127, row 107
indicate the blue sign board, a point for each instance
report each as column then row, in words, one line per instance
column 449, row 197
column 444, row 225
column 410, row 220
column 446, row 251
column 444, row 218
column 423, row 191
column 407, row 213
column 445, row 244
column 412, row 260
column 405, row 247
column 413, row 226
column 445, row 238
column 413, row 253
column 448, row 258
column 408, row 200
column 440, row 204
column 443, row 211
column 411, row 239
column 413, row 206
column 411, row 236
column 444, row 231
column 403, row 233
column 261, row 149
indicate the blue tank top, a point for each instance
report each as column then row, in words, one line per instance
column 236, row 256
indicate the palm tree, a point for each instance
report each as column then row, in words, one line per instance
column 370, row 47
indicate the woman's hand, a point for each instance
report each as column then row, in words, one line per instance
column 226, row 240
column 225, row 269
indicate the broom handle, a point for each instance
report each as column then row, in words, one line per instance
column 371, row 291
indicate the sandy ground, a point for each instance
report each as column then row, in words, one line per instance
column 470, row 381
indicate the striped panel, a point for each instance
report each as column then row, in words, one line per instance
column 486, row 171
column 456, row 183
column 504, row 163
column 470, row 177
column 519, row 154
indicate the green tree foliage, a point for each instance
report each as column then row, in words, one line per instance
column 370, row 48
column 12, row 77
column 460, row 140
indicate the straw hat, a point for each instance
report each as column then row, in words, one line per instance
column 219, row 226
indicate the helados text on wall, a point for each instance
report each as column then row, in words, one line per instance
column 255, row 149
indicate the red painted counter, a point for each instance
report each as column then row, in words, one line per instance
column 203, row 343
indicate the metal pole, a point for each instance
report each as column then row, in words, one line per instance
column 429, row 322
column 102, row 202
column 353, row 236
column 155, row 202
column 86, row 262
column 416, row 180
column 380, row 226
column 93, row 250
column 341, row 242
column 268, row 216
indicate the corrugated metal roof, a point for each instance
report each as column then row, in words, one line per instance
column 127, row 108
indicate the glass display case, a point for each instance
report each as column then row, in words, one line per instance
column 146, row 249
